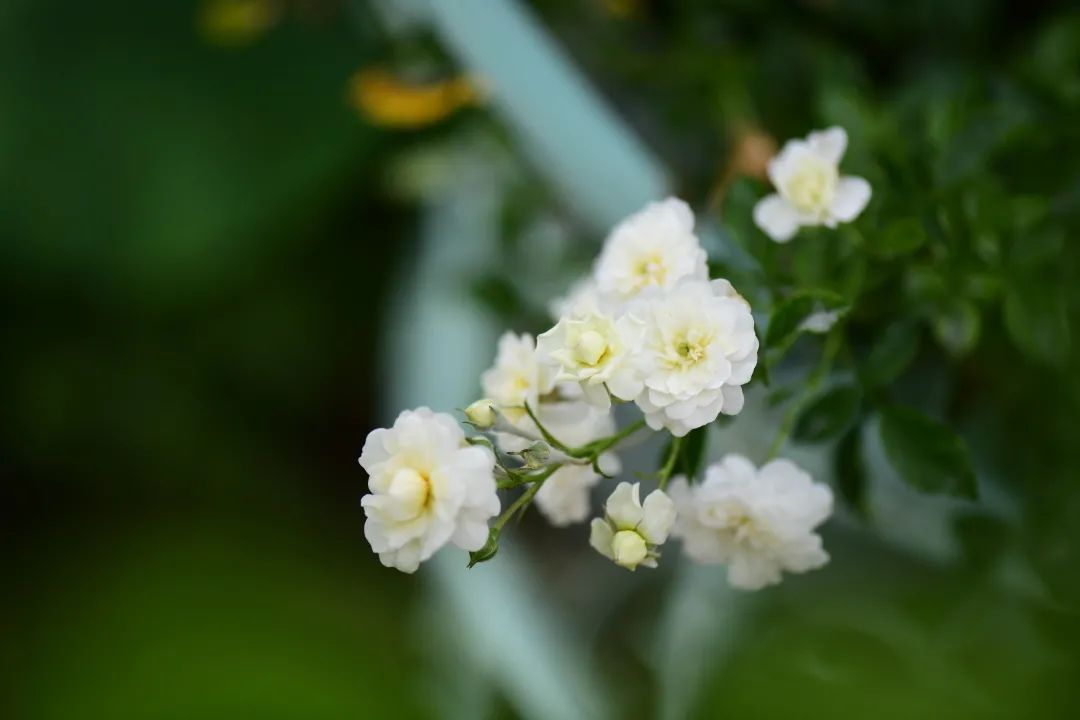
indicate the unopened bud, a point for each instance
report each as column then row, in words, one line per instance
column 481, row 414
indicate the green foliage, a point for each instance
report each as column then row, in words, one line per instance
column 829, row 416
column 928, row 455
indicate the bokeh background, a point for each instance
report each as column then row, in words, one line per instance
column 236, row 235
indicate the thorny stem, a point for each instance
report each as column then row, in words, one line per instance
column 828, row 353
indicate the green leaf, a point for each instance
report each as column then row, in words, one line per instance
column 693, row 452
column 898, row 238
column 891, row 355
column 928, row 455
column 490, row 549
column 957, row 327
column 1037, row 320
column 829, row 415
column 849, row 467
column 787, row 319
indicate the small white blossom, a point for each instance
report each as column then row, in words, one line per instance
column 481, row 413
column 809, row 187
column 428, row 487
column 517, row 377
column 757, row 522
column 654, row 248
column 698, row 352
column 630, row 531
column 598, row 352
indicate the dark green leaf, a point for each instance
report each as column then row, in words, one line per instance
column 891, row 355
column 789, row 315
column 691, row 451
column 898, row 238
column 829, row 415
column 1037, row 320
column 490, row 549
column 850, row 470
column 957, row 326
column 928, row 455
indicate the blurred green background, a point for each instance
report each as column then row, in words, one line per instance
column 236, row 235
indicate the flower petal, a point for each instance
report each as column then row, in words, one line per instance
column 600, row 536
column 659, row 516
column 624, row 506
column 852, row 195
column 776, row 218
column 829, row 144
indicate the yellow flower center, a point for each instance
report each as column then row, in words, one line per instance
column 650, row 270
column 812, row 186
column 590, row 348
column 412, row 490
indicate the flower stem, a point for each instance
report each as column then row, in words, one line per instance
column 669, row 464
column 828, row 353
column 526, row 497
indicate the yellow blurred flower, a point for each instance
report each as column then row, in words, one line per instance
column 236, row 22
column 386, row 100
column 621, row 9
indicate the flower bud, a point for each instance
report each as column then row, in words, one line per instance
column 628, row 548
column 481, row 414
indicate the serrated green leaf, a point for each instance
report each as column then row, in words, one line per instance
column 829, row 415
column 927, row 455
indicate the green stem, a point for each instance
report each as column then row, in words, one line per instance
column 599, row 446
column 526, row 497
column 550, row 439
column 828, row 353
column 669, row 465
column 590, row 451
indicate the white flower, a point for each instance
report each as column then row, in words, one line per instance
column 699, row 350
column 596, row 351
column 631, row 531
column 810, row 189
column 582, row 296
column 428, row 487
column 758, row 522
column 517, row 377
column 654, row 248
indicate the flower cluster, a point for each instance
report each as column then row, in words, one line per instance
column 648, row 327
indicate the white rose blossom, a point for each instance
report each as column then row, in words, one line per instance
column 654, row 248
column 699, row 350
column 809, row 188
column 757, row 522
column 428, row 487
column 630, row 531
column 598, row 352
column 516, row 378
